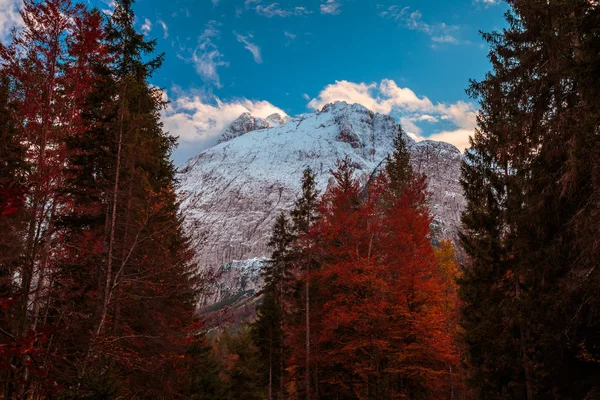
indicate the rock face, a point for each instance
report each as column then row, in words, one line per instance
column 238, row 280
column 246, row 123
column 232, row 192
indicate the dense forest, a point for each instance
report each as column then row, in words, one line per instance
column 98, row 285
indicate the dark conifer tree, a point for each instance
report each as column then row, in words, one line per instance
column 268, row 329
column 531, row 182
column 242, row 366
column 13, row 169
column 304, row 215
column 204, row 372
column 398, row 168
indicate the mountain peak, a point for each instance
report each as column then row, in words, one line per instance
column 246, row 122
column 232, row 192
column 338, row 106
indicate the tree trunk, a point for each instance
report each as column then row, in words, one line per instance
column 308, row 331
column 270, row 363
column 113, row 220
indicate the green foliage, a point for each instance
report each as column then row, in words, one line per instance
column 305, row 209
column 268, row 329
column 205, row 380
column 398, row 168
column 243, row 366
column 532, row 192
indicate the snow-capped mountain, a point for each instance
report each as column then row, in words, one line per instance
column 247, row 122
column 231, row 193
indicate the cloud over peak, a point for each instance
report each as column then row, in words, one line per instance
column 457, row 120
column 199, row 119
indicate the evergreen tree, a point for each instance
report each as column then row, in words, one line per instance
column 242, row 366
column 148, row 281
column 268, row 329
column 398, row 168
column 531, row 182
column 205, row 382
column 97, row 283
column 304, row 215
column 13, row 169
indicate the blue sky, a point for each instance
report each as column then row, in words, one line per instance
column 409, row 58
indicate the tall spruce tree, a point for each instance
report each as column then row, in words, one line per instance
column 531, row 183
column 398, row 168
column 242, row 366
column 204, row 371
column 304, row 215
column 268, row 329
column 133, row 263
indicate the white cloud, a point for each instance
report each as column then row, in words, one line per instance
column 428, row 118
column 199, row 120
column 388, row 98
column 299, row 11
column 413, row 20
column 445, row 39
column 147, row 26
column 331, row 7
column 164, row 27
column 206, row 56
column 274, row 9
column 251, row 47
column 290, row 37
column 249, row 3
column 489, row 2
column 305, row 96
column 9, row 17
column 458, row 137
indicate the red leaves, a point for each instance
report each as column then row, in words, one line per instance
column 382, row 311
column 11, row 200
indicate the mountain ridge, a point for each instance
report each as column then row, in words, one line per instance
column 232, row 192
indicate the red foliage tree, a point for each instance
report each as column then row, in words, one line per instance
column 381, row 317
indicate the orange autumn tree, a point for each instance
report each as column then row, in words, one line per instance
column 382, row 316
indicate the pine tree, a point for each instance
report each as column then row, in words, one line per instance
column 532, row 200
column 148, row 283
column 268, row 329
column 398, row 168
column 205, row 382
column 241, row 366
column 13, row 169
column 304, row 213
column 95, row 251
column 304, row 216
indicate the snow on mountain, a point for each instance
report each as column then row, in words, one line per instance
column 238, row 280
column 231, row 193
column 247, row 122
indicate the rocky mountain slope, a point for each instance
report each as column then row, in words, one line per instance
column 232, row 192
